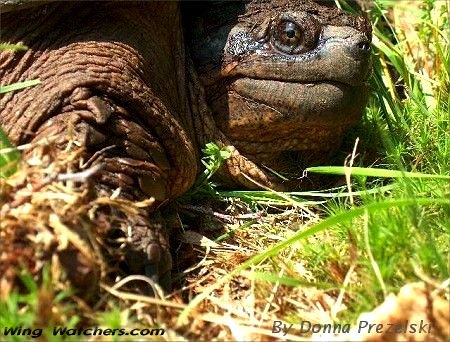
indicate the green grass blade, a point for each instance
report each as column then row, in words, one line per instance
column 372, row 172
column 8, row 160
column 18, row 86
column 268, row 195
column 13, row 47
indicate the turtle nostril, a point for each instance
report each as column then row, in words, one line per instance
column 358, row 47
column 365, row 46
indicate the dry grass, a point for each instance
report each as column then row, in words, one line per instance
column 49, row 223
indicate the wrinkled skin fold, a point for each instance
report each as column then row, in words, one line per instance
column 267, row 80
column 106, row 86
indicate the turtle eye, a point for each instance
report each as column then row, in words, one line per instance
column 288, row 36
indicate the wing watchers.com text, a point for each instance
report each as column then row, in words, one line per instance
column 63, row 331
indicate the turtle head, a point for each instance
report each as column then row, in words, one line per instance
column 283, row 79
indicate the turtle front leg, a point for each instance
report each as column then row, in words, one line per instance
column 133, row 167
column 109, row 82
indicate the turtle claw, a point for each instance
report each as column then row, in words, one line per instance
column 148, row 251
column 160, row 270
column 164, row 280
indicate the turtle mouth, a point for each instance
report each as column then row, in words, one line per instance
column 337, row 80
column 319, row 97
column 272, row 111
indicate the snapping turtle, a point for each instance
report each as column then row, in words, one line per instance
column 144, row 85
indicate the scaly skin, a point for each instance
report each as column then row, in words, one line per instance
column 116, row 74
